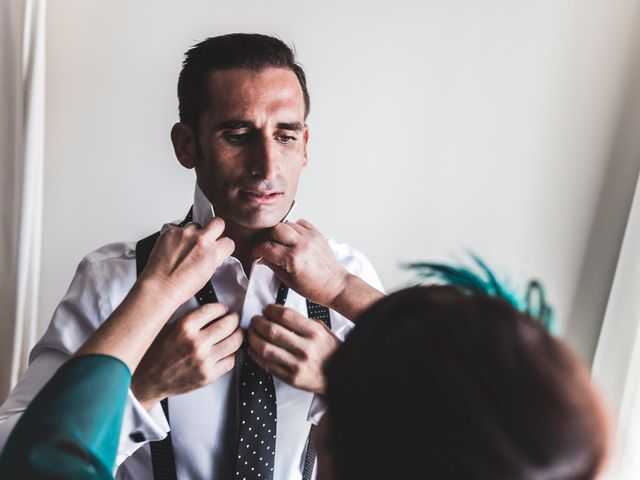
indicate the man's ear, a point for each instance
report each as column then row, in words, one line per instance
column 184, row 145
column 305, row 137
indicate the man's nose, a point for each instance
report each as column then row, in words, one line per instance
column 265, row 159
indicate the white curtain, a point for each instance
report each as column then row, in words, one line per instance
column 616, row 364
column 22, row 90
column 616, row 367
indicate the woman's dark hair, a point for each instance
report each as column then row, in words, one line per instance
column 251, row 51
column 436, row 383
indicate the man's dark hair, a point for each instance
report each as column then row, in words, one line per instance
column 436, row 383
column 251, row 51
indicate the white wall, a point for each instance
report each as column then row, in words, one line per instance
column 436, row 125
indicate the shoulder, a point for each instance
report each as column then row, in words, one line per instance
column 105, row 275
column 113, row 252
column 345, row 253
column 118, row 254
column 112, row 267
column 355, row 262
column 110, row 271
column 101, row 281
column 109, row 260
column 102, row 267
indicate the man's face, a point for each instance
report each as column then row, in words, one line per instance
column 253, row 140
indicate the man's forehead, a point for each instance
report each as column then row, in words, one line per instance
column 240, row 89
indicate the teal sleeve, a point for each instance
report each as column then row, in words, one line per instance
column 71, row 429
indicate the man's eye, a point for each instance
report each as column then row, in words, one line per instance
column 236, row 138
column 286, row 139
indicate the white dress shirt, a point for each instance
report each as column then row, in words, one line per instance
column 204, row 421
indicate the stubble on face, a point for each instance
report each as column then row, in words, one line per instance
column 254, row 146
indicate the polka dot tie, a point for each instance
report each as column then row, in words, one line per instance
column 258, row 418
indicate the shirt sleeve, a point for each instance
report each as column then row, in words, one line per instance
column 98, row 286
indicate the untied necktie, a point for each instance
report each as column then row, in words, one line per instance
column 258, row 417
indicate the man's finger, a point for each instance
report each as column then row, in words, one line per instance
column 219, row 329
column 308, row 225
column 280, row 371
column 280, row 272
column 277, row 335
column 224, row 247
column 298, row 228
column 229, row 345
column 273, row 252
column 214, row 228
column 285, row 234
column 289, row 319
column 221, row 366
column 270, row 353
column 205, row 314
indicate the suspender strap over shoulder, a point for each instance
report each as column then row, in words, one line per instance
column 163, row 463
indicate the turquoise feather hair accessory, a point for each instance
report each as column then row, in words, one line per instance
column 480, row 279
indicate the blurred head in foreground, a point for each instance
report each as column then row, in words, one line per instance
column 437, row 383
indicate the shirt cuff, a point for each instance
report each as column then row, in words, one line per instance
column 317, row 409
column 140, row 426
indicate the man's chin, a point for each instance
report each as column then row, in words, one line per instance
column 258, row 222
column 262, row 217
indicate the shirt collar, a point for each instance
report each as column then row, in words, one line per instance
column 203, row 210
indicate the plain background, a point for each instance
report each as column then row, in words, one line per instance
column 505, row 127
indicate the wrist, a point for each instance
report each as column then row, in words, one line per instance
column 320, row 388
column 159, row 290
column 355, row 297
column 345, row 286
column 146, row 399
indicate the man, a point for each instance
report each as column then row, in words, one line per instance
column 243, row 102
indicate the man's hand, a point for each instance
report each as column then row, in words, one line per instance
column 301, row 257
column 184, row 258
column 291, row 346
column 189, row 353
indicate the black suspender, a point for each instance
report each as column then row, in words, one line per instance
column 162, row 458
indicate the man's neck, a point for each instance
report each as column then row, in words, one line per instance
column 245, row 239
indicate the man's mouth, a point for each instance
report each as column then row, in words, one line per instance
column 261, row 197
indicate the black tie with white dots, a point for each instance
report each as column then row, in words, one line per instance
column 258, row 417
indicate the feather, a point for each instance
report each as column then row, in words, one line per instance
column 479, row 279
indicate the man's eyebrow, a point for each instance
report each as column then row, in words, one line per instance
column 234, row 123
column 295, row 126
